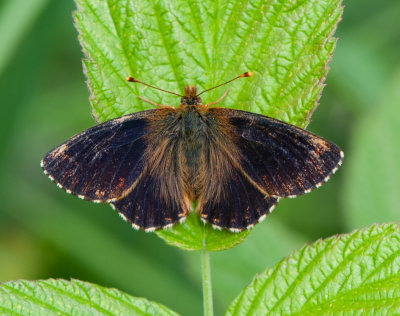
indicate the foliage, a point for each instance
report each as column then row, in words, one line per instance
column 357, row 273
column 75, row 297
column 362, row 267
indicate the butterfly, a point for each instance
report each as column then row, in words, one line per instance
column 152, row 166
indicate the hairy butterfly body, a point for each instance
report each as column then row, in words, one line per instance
column 151, row 165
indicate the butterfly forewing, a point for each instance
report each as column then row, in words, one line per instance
column 281, row 158
column 102, row 162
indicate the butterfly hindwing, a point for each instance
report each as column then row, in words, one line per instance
column 146, row 206
column 240, row 205
column 102, row 162
column 283, row 159
column 229, row 199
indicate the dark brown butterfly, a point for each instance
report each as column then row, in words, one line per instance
column 151, row 165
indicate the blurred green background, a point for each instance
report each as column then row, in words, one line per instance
column 45, row 233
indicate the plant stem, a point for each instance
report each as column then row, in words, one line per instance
column 207, row 287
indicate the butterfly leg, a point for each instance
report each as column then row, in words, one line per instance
column 156, row 104
column 215, row 102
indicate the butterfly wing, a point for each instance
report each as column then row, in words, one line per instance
column 229, row 198
column 146, row 207
column 283, row 159
column 102, row 162
column 158, row 199
column 114, row 163
column 259, row 160
column 241, row 204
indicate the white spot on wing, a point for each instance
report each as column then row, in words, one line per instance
column 250, row 226
column 123, row 216
column 148, row 229
column 182, row 219
column 262, row 218
column 167, row 226
column 135, row 226
column 233, row 230
column 216, row 227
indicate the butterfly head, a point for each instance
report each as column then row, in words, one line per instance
column 191, row 97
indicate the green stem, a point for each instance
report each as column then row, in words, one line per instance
column 207, row 287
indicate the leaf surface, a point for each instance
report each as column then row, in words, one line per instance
column 60, row 297
column 352, row 274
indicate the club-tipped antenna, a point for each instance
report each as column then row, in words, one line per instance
column 130, row 79
column 246, row 74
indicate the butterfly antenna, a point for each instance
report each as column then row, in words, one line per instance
column 246, row 74
column 130, row 79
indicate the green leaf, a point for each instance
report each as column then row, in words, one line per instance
column 192, row 234
column 60, row 297
column 352, row 274
column 372, row 184
column 286, row 45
